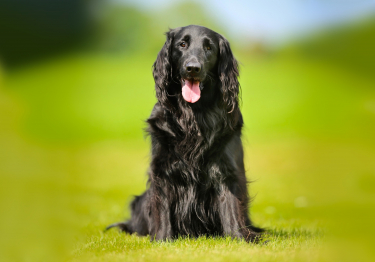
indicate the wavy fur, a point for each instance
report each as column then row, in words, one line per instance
column 197, row 184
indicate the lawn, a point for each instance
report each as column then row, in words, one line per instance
column 74, row 153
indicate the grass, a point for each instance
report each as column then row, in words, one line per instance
column 131, row 248
column 73, row 154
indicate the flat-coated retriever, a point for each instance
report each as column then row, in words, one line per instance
column 197, row 184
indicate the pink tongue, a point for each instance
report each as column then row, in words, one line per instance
column 191, row 91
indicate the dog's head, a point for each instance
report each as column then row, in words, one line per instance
column 196, row 63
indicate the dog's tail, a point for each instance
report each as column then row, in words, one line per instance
column 123, row 226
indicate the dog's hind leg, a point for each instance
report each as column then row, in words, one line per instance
column 138, row 223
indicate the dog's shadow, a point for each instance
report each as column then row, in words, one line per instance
column 279, row 234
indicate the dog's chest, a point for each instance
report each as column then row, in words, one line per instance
column 198, row 207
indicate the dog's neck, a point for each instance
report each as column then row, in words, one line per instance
column 204, row 125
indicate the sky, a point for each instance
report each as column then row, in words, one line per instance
column 274, row 21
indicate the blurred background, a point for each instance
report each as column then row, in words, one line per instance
column 76, row 86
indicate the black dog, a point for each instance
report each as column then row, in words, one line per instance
column 197, row 183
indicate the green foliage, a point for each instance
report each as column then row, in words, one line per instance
column 72, row 155
column 349, row 46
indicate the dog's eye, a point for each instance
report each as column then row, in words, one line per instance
column 208, row 47
column 183, row 44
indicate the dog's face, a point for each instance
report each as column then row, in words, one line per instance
column 197, row 65
column 195, row 54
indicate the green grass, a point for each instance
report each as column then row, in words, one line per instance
column 282, row 246
column 73, row 154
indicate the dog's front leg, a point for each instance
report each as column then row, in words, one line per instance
column 230, row 215
column 234, row 219
column 160, row 220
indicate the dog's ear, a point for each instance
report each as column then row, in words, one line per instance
column 228, row 74
column 162, row 70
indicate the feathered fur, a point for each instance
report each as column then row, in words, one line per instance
column 197, row 184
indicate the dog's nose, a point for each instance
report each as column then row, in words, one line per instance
column 193, row 67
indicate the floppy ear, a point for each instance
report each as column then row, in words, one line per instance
column 228, row 74
column 162, row 70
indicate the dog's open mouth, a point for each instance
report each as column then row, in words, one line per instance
column 191, row 90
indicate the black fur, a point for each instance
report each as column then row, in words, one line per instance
column 197, row 184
